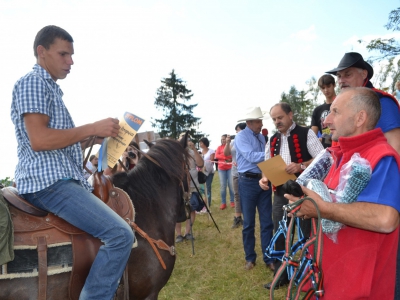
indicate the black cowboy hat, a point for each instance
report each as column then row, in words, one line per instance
column 353, row 59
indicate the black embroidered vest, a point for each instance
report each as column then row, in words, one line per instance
column 297, row 145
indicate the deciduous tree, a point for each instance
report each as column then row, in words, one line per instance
column 388, row 51
column 302, row 104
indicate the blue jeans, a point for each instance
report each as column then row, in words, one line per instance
column 73, row 203
column 209, row 180
column 225, row 179
column 252, row 197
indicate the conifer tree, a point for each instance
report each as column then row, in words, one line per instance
column 172, row 98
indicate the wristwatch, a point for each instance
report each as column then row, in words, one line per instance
column 302, row 166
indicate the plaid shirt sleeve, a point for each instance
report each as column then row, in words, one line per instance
column 314, row 146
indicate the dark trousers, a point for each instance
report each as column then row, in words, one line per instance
column 277, row 215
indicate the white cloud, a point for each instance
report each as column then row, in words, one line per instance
column 306, row 35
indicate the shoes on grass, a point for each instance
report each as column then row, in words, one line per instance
column 223, row 206
column 179, row 239
column 233, row 204
column 189, row 237
column 277, row 286
column 249, row 265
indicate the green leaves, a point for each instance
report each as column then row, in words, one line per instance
column 301, row 102
column 388, row 49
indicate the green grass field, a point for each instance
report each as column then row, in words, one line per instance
column 216, row 270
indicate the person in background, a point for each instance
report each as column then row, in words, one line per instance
column 250, row 150
column 49, row 173
column 224, row 173
column 195, row 201
column 396, row 93
column 264, row 132
column 89, row 169
column 95, row 162
column 208, row 157
column 327, row 85
column 230, row 150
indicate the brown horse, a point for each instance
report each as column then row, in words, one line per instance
column 155, row 187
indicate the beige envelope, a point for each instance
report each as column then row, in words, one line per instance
column 274, row 169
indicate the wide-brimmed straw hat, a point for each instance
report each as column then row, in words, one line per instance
column 353, row 59
column 252, row 113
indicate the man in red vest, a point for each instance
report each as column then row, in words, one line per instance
column 361, row 265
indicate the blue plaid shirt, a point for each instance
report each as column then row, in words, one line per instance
column 37, row 92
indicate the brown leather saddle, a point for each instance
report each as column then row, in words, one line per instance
column 40, row 229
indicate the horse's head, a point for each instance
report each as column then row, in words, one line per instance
column 184, row 140
column 161, row 168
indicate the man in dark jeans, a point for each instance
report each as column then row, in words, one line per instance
column 250, row 146
column 298, row 146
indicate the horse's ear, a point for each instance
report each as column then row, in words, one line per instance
column 184, row 141
column 148, row 143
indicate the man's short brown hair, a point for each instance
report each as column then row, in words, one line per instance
column 326, row 80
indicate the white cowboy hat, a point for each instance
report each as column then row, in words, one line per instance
column 253, row 113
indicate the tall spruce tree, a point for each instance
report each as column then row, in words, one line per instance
column 177, row 116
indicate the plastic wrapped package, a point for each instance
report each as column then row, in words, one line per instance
column 318, row 169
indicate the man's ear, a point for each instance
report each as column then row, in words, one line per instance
column 365, row 74
column 361, row 118
column 40, row 51
column 290, row 114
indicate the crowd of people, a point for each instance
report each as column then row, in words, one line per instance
column 360, row 119
column 361, row 264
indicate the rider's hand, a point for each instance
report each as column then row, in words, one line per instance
column 106, row 127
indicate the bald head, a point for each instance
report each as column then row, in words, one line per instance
column 362, row 98
column 354, row 111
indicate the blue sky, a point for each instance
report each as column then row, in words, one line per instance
column 232, row 54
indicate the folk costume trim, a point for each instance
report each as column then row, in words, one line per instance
column 297, row 142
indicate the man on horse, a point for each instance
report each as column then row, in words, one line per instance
column 360, row 265
column 49, row 173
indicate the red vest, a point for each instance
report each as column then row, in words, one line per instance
column 362, row 265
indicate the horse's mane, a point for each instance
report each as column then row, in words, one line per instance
column 143, row 183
